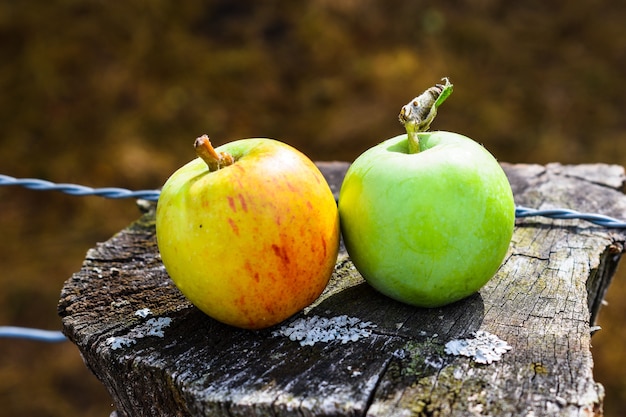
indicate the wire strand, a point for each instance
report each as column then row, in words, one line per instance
column 560, row 213
column 153, row 195
column 79, row 190
column 50, row 336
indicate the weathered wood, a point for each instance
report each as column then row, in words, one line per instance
column 542, row 302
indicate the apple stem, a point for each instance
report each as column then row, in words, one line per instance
column 418, row 114
column 214, row 160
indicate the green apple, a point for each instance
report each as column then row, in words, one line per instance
column 249, row 232
column 427, row 217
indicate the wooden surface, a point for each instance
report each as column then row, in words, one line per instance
column 158, row 355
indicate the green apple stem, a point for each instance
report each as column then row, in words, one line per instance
column 418, row 114
column 214, row 160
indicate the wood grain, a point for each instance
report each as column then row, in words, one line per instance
column 542, row 301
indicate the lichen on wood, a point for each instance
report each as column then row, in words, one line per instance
column 542, row 302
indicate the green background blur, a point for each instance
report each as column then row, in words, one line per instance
column 113, row 93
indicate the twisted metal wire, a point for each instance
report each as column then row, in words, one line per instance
column 560, row 213
column 79, row 190
column 50, row 336
column 153, row 195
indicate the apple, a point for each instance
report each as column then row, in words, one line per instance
column 249, row 231
column 427, row 217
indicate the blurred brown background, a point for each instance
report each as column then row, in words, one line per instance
column 113, row 93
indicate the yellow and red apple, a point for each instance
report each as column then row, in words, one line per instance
column 249, row 231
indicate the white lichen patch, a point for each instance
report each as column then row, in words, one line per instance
column 143, row 312
column 152, row 327
column 120, row 342
column 484, row 347
column 311, row 330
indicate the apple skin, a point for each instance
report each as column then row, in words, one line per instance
column 427, row 228
column 252, row 243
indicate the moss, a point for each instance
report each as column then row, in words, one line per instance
column 144, row 223
column 539, row 368
column 422, row 355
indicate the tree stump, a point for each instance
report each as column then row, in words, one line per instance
column 160, row 356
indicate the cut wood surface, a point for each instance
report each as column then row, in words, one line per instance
column 160, row 356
